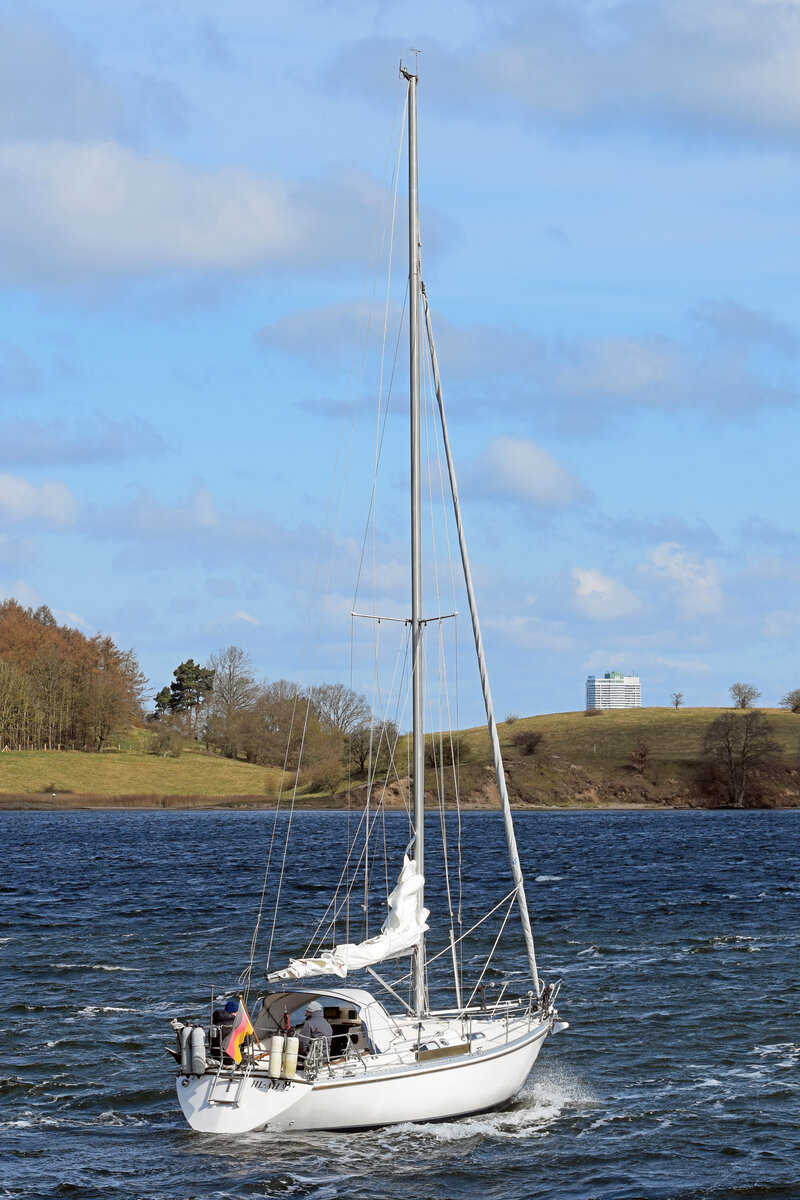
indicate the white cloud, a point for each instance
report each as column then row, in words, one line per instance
column 63, row 206
column 231, row 618
column 49, row 86
column 241, row 615
column 522, row 470
column 328, row 334
column 576, row 382
column 739, row 324
column 153, row 534
column 96, row 439
column 51, row 503
column 646, row 370
column 147, row 518
column 531, row 633
column 695, row 584
column 730, row 68
column 600, row 597
column 66, row 617
column 325, row 335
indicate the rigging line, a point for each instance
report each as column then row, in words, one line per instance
column 512, row 896
column 383, row 732
column 372, row 510
column 445, row 848
column 349, row 782
column 491, row 952
column 289, row 827
column 399, row 718
column 332, row 901
column 440, row 472
column 450, row 559
column 385, row 852
column 396, row 720
column 340, row 439
column 383, row 710
column 432, row 425
column 454, row 747
column 446, row 528
column 344, row 873
column 505, row 804
column 350, row 889
column 379, row 427
column 477, row 925
column 459, row 846
column 378, row 430
column 321, row 930
column 326, row 590
column 438, row 767
column 246, row 976
column 352, row 844
column 365, row 538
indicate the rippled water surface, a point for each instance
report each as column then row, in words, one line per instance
column 676, row 935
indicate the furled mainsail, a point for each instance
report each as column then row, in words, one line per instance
column 400, row 934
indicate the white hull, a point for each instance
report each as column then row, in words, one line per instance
column 233, row 1102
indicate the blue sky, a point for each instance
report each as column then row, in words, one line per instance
column 188, row 193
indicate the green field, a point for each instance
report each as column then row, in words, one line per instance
column 582, row 761
column 132, row 772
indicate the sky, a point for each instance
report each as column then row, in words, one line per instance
column 190, row 202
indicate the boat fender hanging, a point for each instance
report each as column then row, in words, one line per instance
column 275, row 1055
column 184, row 1035
column 197, row 1050
column 290, row 1057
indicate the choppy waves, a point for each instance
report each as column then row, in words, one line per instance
column 676, row 936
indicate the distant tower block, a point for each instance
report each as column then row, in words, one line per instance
column 614, row 690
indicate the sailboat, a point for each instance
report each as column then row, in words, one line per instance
column 403, row 1061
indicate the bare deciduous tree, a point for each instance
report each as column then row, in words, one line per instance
column 791, row 700
column 339, row 707
column 677, row 699
column 744, row 695
column 234, row 694
column 640, row 757
column 740, row 749
column 372, row 745
column 528, row 741
column 234, row 685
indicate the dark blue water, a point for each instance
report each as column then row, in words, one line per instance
column 676, row 935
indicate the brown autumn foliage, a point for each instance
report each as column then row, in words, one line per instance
column 59, row 687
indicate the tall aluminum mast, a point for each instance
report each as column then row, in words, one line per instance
column 418, row 733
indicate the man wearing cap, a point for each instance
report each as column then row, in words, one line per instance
column 314, row 1026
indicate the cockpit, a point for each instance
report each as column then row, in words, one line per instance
column 358, row 1021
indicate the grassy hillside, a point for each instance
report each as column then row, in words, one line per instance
column 131, row 771
column 587, row 758
column 582, row 760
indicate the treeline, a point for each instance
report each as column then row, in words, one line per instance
column 322, row 729
column 59, row 688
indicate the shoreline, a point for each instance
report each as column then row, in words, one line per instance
column 93, row 803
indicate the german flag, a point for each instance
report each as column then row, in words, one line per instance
column 241, row 1027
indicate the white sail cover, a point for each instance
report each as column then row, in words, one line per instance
column 400, row 934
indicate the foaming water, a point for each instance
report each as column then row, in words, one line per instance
column 676, row 935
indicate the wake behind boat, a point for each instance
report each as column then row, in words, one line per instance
column 335, row 1057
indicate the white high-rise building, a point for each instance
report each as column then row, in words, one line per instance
column 614, row 690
